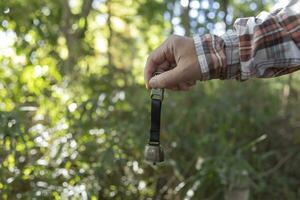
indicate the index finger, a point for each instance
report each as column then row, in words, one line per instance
column 156, row 58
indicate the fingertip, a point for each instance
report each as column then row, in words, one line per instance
column 149, row 68
column 151, row 83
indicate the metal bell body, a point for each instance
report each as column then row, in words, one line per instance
column 154, row 154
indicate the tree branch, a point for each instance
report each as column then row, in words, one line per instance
column 280, row 163
column 85, row 11
column 66, row 16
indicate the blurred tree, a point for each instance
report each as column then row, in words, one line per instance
column 74, row 114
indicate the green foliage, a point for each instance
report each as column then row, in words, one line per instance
column 74, row 113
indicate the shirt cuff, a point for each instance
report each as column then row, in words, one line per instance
column 218, row 57
column 232, row 54
column 201, row 58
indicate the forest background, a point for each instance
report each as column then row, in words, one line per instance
column 74, row 111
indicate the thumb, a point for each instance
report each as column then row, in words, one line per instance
column 166, row 79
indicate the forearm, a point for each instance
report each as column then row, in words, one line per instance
column 264, row 46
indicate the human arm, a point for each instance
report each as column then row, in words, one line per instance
column 264, row 46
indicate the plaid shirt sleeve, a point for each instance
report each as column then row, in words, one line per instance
column 264, row 46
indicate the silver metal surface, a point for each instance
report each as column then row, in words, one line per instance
column 157, row 93
column 154, row 154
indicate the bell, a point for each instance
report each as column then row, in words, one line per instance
column 154, row 154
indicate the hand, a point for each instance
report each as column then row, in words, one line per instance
column 176, row 58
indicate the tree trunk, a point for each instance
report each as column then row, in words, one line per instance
column 237, row 194
column 185, row 18
column 110, row 35
column 224, row 6
column 73, row 38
